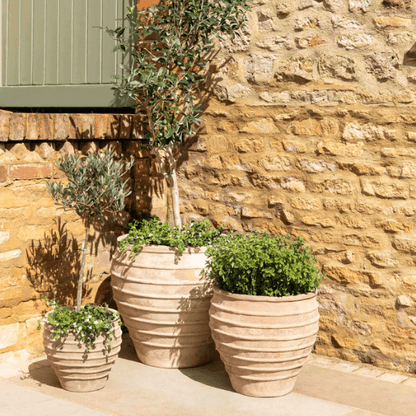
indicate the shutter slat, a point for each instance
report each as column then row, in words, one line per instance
column 51, row 41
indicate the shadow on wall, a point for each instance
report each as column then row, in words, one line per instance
column 54, row 264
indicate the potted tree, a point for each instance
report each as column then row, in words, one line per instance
column 82, row 342
column 169, row 47
column 264, row 313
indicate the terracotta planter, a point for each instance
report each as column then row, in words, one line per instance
column 263, row 341
column 164, row 302
column 77, row 369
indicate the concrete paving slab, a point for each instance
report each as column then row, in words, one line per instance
column 137, row 389
column 373, row 395
column 21, row 401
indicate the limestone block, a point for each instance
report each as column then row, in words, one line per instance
column 20, row 150
column 298, row 69
column 345, row 275
column 315, row 220
column 337, row 66
column 391, row 225
column 287, row 217
column 352, row 222
column 337, row 148
column 392, row 152
column 306, row 23
column 255, row 213
column 294, row 146
column 240, row 43
column 408, row 170
column 309, row 41
column 367, row 208
column 284, row 8
column 368, row 132
column 275, row 163
column 314, row 166
column 382, row 65
column 335, row 186
column 383, row 22
column 381, row 259
column 265, row 125
column 259, row 68
column 358, row 5
column 355, row 41
column 10, row 255
column 249, row 145
column 9, row 335
column 4, row 236
column 293, row 184
column 312, row 127
column 360, row 240
column 227, row 90
column 306, row 204
column 385, row 188
column 275, row 43
column 405, row 245
column 404, row 301
column 400, row 38
column 45, row 150
column 339, row 21
column 265, row 20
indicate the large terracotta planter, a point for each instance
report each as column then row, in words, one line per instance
column 77, row 369
column 263, row 341
column 164, row 301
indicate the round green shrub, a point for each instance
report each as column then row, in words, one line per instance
column 262, row 265
column 153, row 232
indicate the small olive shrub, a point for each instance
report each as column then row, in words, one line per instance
column 86, row 324
column 262, row 265
column 153, row 232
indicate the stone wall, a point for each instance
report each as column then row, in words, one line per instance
column 311, row 130
column 39, row 242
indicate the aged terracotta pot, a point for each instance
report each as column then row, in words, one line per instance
column 263, row 341
column 164, row 301
column 77, row 369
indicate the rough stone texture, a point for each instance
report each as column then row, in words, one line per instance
column 322, row 146
column 39, row 242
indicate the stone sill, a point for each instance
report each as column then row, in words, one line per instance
column 18, row 127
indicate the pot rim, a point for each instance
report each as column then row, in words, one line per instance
column 253, row 298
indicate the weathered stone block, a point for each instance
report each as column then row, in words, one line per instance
column 275, row 43
column 249, row 145
column 298, row 69
column 315, row 220
column 312, row 127
column 255, row 213
column 337, row 66
column 360, row 240
column 17, row 126
column 306, row 204
column 259, row 68
column 339, row 21
column 368, row 132
column 337, row 148
column 61, row 127
column 382, row 65
column 383, row 22
column 265, row 125
column 352, row 222
column 306, row 23
column 355, row 41
column 399, row 4
column 336, row 186
column 10, row 255
column 314, row 166
column 405, row 245
column 45, row 150
column 358, row 5
column 4, row 236
column 293, row 184
column 391, row 225
column 9, row 335
column 380, row 259
column 309, row 42
column 294, row 146
column 385, row 188
column 275, row 163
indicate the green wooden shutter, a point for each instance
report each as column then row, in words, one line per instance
column 53, row 55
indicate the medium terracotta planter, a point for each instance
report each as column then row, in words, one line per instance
column 164, row 301
column 77, row 369
column 263, row 341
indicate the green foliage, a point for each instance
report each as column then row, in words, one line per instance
column 168, row 47
column 153, row 231
column 262, row 265
column 95, row 184
column 87, row 324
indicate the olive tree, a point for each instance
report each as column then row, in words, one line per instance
column 168, row 47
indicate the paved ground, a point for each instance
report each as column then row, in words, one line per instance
column 325, row 387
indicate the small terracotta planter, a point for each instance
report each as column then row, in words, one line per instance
column 164, row 302
column 263, row 341
column 77, row 369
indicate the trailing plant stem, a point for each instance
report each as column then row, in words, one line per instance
column 175, row 197
column 83, row 258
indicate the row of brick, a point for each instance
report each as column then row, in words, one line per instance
column 37, row 126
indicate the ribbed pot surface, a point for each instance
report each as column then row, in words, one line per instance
column 77, row 369
column 164, row 302
column 263, row 341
